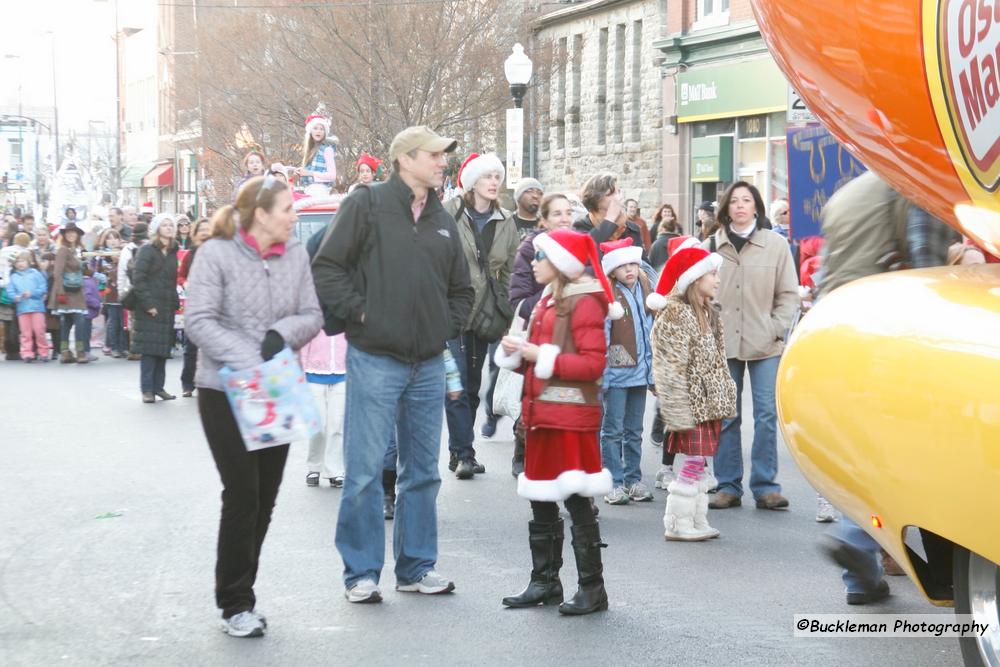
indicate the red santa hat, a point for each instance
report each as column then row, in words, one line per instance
column 681, row 242
column 683, row 268
column 617, row 253
column 570, row 252
column 314, row 121
column 476, row 166
column 147, row 207
column 371, row 161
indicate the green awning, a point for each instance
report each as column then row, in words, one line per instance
column 133, row 174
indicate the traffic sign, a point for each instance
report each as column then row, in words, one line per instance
column 798, row 112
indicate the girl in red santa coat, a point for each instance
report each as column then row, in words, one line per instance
column 693, row 382
column 562, row 362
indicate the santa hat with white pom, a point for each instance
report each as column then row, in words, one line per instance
column 683, row 268
column 570, row 252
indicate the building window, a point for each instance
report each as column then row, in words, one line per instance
column 574, row 110
column 636, row 120
column 15, row 154
column 602, row 87
column 712, row 13
column 618, row 96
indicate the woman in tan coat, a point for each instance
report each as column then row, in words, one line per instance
column 66, row 299
column 693, row 383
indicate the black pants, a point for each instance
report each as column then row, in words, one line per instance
column 250, row 482
column 11, row 340
column 578, row 507
column 190, row 364
column 494, row 374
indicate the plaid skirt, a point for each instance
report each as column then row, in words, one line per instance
column 702, row 440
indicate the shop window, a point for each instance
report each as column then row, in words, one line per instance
column 711, row 128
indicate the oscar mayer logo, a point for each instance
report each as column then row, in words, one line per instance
column 968, row 36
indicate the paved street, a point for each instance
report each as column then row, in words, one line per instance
column 137, row 588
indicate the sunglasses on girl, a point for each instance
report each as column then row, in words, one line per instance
column 539, row 255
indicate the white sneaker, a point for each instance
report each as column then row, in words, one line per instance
column 664, row 476
column 431, row 583
column 618, row 496
column 244, row 624
column 640, row 493
column 365, row 590
column 825, row 512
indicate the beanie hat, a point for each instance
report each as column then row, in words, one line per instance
column 476, row 166
column 570, row 252
column 140, row 231
column 373, row 163
column 147, row 207
column 680, row 242
column 155, row 223
column 524, row 185
column 617, row 253
column 683, row 268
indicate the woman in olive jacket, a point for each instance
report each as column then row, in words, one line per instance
column 154, row 290
column 249, row 295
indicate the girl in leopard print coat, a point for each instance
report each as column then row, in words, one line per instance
column 693, row 383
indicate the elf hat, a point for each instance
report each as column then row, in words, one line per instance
column 683, row 268
column 617, row 253
column 476, row 166
column 570, row 252
column 372, row 162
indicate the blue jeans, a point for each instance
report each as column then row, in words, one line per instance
column 114, row 334
column 67, row 322
column 392, row 453
column 385, row 394
column 852, row 534
column 621, row 433
column 764, row 452
column 84, row 328
column 470, row 352
column 152, row 373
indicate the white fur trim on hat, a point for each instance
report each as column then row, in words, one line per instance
column 509, row 361
column 656, row 301
column 565, row 485
column 545, row 365
column 706, row 265
column 315, row 122
column 615, row 310
column 690, row 242
column 628, row 255
column 561, row 258
column 479, row 167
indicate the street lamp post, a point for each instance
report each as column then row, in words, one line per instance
column 517, row 69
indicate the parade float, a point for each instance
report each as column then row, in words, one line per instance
column 885, row 393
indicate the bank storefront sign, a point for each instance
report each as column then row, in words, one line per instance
column 735, row 89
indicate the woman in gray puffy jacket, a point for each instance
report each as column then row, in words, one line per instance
column 249, row 295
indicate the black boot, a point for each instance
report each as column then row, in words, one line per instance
column 389, row 493
column 590, row 596
column 546, row 542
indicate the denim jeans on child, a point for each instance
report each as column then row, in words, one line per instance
column 385, row 394
column 621, row 433
column 469, row 352
column 764, row 452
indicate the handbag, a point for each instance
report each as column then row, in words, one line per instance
column 494, row 313
column 509, row 388
column 271, row 402
column 72, row 281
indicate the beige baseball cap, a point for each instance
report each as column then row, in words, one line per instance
column 420, row 137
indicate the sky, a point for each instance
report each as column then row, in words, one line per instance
column 85, row 58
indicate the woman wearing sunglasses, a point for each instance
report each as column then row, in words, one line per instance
column 250, row 294
column 562, row 362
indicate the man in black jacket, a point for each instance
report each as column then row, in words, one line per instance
column 392, row 269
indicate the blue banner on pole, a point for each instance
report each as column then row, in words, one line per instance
column 818, row 165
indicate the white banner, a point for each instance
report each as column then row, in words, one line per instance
column 515, row 146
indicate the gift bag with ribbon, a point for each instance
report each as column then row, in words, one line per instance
column 510, row 385
column 271, row 402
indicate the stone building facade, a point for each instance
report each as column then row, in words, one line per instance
column 602, row 108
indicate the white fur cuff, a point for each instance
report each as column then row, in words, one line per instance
column 545, row 366
column 509, row 361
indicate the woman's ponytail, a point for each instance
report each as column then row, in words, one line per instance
column 224, row 222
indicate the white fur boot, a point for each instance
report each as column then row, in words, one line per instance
column 678, row 520
column 701, row 510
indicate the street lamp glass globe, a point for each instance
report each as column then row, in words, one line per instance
column 517, row 67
